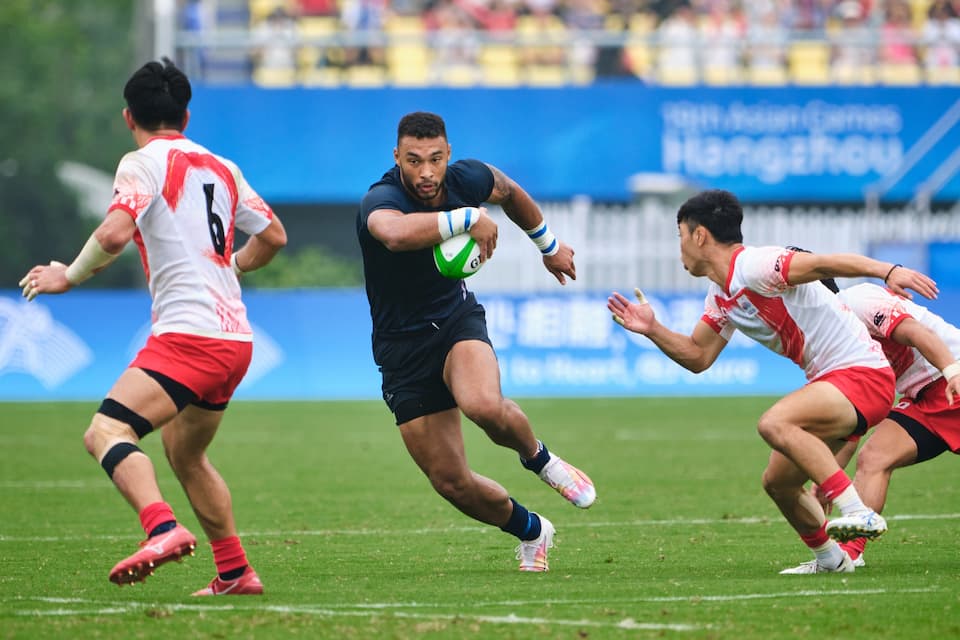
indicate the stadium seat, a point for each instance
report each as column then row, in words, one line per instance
column 640, row 58
column 809, row 62
column 678, row 76
column 899, row 74
column 458, row 75
column 499, row 65
column 408, row 63
column 943, row 75
column 274, row 78
column 365, row 75
column 860, row 75
column 767, row 76
column 260, row 9
column 719, row 75
column 545, row 75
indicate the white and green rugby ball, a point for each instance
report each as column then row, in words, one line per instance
column 457, row 257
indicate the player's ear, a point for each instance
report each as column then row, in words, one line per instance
column 396, row 155
column 128, row 119
column 186, row 119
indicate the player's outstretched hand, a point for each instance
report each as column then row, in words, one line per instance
column 901, row 278
column 51, row 278
column 635, row 316
column 561, row 264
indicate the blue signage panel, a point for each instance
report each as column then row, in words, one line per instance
column 766, row 144
column 315, row 344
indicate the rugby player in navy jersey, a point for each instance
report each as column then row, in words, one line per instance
column 430, row 335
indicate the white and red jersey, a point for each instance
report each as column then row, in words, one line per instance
column 186, row 203
column 882, row 311
column 806, row 322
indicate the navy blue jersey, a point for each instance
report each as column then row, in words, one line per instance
column 405, row 290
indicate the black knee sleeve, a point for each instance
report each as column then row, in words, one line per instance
column 116, row 454
column 113, row 409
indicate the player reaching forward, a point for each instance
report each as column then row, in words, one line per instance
column 770, row 295
column 181, row 204
column 430, row 335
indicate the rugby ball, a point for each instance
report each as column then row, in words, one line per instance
column 457, row 257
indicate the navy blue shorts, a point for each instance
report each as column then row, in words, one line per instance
column 412, row 366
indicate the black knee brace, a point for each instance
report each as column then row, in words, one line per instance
column 116, row 454
column 113, row 409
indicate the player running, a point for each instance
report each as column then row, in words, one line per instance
column 180, row 204
column 770, row 294
column 430, row 334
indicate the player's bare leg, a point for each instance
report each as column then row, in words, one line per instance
column 185, row 441
column 888, row 447
column 135, row 405
column 783, row 482
column 435, row 442
column 473, row 377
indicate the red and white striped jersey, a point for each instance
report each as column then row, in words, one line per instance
column 881, row 311
column 806, row 322
column 186, row 203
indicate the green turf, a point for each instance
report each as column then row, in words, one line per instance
column 351, row 541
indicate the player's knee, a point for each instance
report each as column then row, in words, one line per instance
column 485, row 409
column 775, row 486
column 111, row 423
column 453, row 487
column 770, row 429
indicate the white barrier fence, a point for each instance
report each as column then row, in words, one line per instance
column 619, row 247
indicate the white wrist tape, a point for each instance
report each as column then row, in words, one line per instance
column 236, row 265
column 453, row 223
column 951, row 370
column 92, row 258
column 544, row 239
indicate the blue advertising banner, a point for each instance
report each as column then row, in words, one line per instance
column 315, row 344
column 787, row 144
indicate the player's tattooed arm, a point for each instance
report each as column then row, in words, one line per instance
column 503, row 187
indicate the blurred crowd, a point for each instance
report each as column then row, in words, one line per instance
column 420, row 42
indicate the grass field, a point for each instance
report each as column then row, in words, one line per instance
column 351, row 541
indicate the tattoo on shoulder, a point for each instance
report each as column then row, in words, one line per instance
column 502, row 186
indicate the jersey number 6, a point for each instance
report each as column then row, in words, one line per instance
column 214, row 223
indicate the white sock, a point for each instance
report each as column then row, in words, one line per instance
column 829, row 554
column 849, row 502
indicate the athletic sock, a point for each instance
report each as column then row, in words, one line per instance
column 157, row 518
column 539, row 460
column 827, row 551
column 229, row 556
column 523, row 524
column 855, row 547
column 839, row 489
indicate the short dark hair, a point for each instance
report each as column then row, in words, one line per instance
column 421, row 124
column 829, row 283
column 157, row 95
column 718, row 211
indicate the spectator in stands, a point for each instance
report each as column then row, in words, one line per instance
column 455, row 44
column 365, row 20
column 941, row 36
column 275, row 39
column 806, row 15
column 853, row 49
column 678, row 40
column 584, row 20
column 767, row 39
column 897, row 36
column 318, row 7
column 725, row 28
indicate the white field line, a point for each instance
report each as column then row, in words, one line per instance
column 393, row 609
column 678, row 522
column 325, row 612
